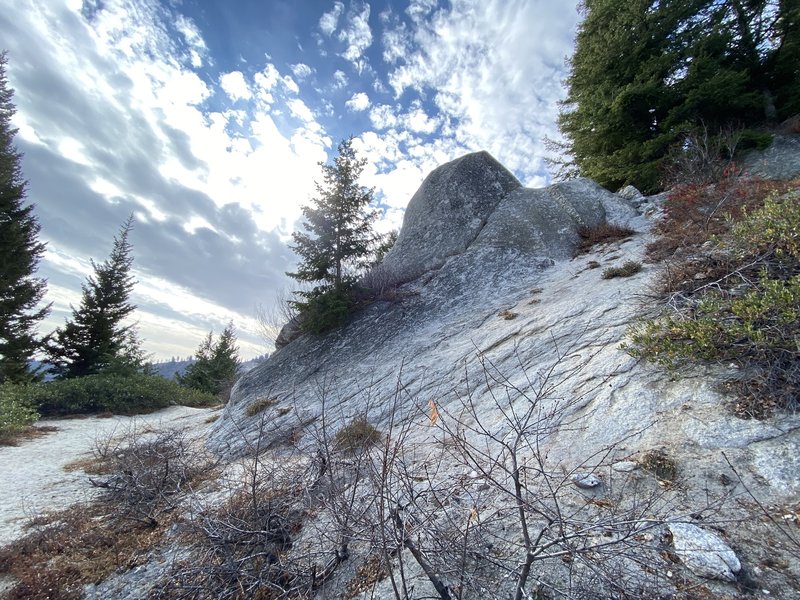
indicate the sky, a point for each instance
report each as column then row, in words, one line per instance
column 207, row 120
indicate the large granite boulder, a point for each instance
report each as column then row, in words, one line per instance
column 780, row 161
column 447, row 213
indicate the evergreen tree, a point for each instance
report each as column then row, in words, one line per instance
column 216, row 365
column 645, row 72
column 97, row 339
column 338, row 241
column 20, row 252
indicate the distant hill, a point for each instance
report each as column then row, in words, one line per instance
column 169, row 369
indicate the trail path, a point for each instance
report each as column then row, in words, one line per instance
column 32, row 476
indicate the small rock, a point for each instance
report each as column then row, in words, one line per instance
column 703, row 552
column 586, row 481
column 630, row 193
column 625, row 466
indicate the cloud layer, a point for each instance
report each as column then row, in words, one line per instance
column 136, row 106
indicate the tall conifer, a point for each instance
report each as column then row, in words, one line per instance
column 20, row 251
column 338, row 241
column 97, row 338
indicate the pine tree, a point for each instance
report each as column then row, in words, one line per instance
column 97, row 339
column 645, row 72
column 216, row 365
column 338, row 241
column 20, row 252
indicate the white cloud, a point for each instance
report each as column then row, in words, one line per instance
column 357, row 35
column 397, row 43
column 191, row 34
column 300, row 110
column 159, row 153
column 496, row 69
column 418, row 10
column 358, row 103
column 339, row 80
column 418, row 121
column 302, row 70
column 290, row 84
column 329, row 20
column 383, row 116
column 235, row 86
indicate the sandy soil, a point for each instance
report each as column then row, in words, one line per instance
column 32, row 476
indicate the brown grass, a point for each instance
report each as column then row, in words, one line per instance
column 660, row 465
column 91, row 465
column 356, row 435
column 368, row 574
column 629, row 268
column 28, row 433
column 695, row 213
column 601, row 234
column 507, row 315
column 259, row 405
column 72, row 548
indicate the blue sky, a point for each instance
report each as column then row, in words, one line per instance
column 207, row 121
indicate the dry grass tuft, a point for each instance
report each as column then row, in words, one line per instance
column 629, row 268
column 507, row 315
column 356, row 435
column 660, row 465
column 33, row 432
column 368, row 574
column 601, row 234
column 259, row 405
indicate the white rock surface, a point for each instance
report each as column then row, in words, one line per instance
column 32, row 476
column 703, row 552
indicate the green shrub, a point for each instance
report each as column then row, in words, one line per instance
column 755, row 324
column 16, row 411
column 751, row 139
column 629, row 268
column 325, row 309
column 112, row 393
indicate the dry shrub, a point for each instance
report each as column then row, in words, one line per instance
column 696, row 213
column 358, row 434
column 148, row 476
column 240, row 548
column 601, row 234
column 71, row 548
column 628, row 268
column 32, row 432
column 259, row 405
column 507, row 315
column 660, row 465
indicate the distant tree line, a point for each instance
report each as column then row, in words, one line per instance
column 645, row 73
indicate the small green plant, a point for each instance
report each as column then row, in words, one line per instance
column 629, row 268
column 259, row 405
column 356, row 435
column 16, row 411
column 601, row 234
